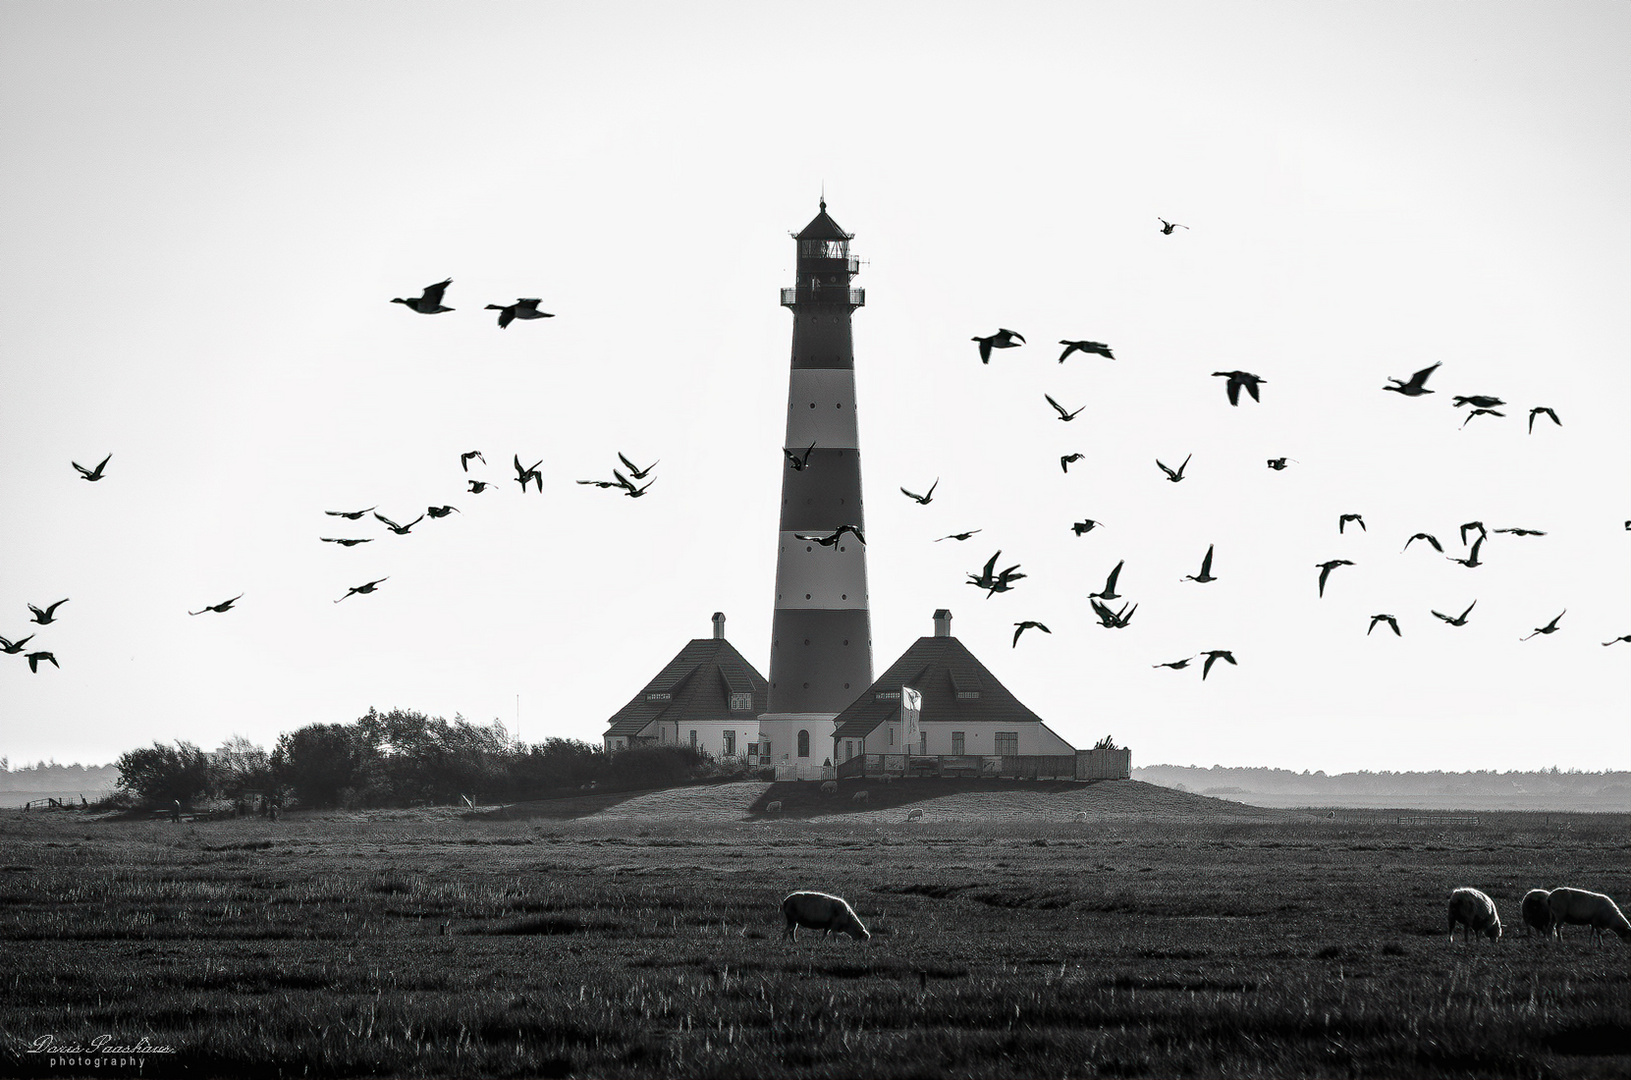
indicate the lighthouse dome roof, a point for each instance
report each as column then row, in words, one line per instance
column 823, row 227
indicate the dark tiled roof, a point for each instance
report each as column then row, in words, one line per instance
column 699, row 683
column 944, row 672
column 822, row 227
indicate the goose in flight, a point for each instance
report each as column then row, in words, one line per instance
column 1028, row 624
column 1477, row 401
column 1064, row 414
column 1616, row 641
column 1549, row 628
column 34, row 659
column 1175, row 476
column 1238, row 379
column 1005, row 581
column 430, row 301
column 1468, row 527
column 630, row 490
column 440, row 511
column 96, row 473
column 1168, row 226
column 1002, row 339
column 829, row 539
column 1206, row 568
column 799, row 462
column 349, row 515
column 12, row 648
column 522, row 475
column 363, row 590
column 479, row 486
column 1109, row 592
column 1389, row 619
column 1522, row 532
column 1097, row 348
column 1472, row 557
column 400, row 530
column 48, row 616
column 1113, row 620
column 634, row 470
column 1176, row 665
column 618, row 483
column 1342, row 523
column 1459, row 620
column 960, row 536
column 1416, row 386
column 1065, row 461
column 225, row 605
column 464, row 459
column 1086, row 525
column 1480, row 412
column 521, row 309
column 1325, row 569
column 1542, row 409
column 1429, row 537
column 1278, row 463
column 986, row 576
column 924, row 499
column 344, row 543
column 1212, row 657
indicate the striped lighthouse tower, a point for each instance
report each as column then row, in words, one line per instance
column 821, row 636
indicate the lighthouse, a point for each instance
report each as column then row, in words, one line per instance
column 821, row 633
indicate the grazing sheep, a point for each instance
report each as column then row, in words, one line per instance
column 860, row 796
column 914, row 815
column 829, row 787
column 1537, row 916
column 1476, row 912
column 1587, row 909
column 773, row 808
column 818, row 911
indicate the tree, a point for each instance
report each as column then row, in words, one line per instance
column 238, row 765
column 163, row 775
column 1106, row 743
column 319, row 762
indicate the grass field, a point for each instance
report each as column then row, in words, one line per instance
column 603, row 939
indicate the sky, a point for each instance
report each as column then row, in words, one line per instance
column 207, row 209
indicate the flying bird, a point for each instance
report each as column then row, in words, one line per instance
column 1522, row 532
column 1616, row 641
column 1389, row 619
column 1542, row 409
column 1064, row 414
column 960, row 536
column 349, row 515
column 430, row 301
column 1168, row 226
column 1175, row 476
column 620, row 483
column 48, row 616
column 1429, row 537
column 344, row 543
column 1113, row 620
column 1480, row 412
column 1066, row 460
column 1028, row 624
column 631, row 491
column 925, row 498
column 1098, row 348
column 1459, row 620
column 986, row 576
column 522, row 475
column 96, row 473
column 1472, row 557
column 1342, row 523
column 1176, row 665
column 1109, row 592
column 1005, row 581
column 225, row 605
column 1549, row 628
column 828, row 539
column 1002, row 339
column 12, row 648
column 1478, row 401
column 34, row 659
column 799, row 461
column 1212, row 657
column 1468, row 527
column 634, row 470
column 1278, row 463
column 464, row 459
column 1206, row 568
column 1325, row 569
column 363, row 590
column 1417, row 386
column 440, row 511
column 1086, row 525
column 400, row 530
column 479, row 486
column 1238, row 379
column 521, row 309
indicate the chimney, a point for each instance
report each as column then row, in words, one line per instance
column 942, row 623
column 719, row 626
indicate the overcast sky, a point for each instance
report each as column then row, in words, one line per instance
column 207, row 208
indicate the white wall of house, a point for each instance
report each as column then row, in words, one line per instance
column 721, row 738
column 940, row 737
column 783, row 732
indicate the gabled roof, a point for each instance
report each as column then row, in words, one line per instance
column 945, row 673
column 699, row 682
column 822, row 227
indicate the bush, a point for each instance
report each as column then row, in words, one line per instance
column 163, row 776
column 320, row 761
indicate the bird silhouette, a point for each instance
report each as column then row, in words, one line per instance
column 479, row 486
column 1389, row 619
column 1028, row 624
column 1175, row 476
column 1472, row 557
column 961, row 535
column 1064, row 414
column 34, row 659
column 363, row 590
column 1098, row 348
column 1113, row 620
column 14, row 647
column 1549, row 628
column 1429, row 537
column 1086, row 525
column 1168, row 226
column 1542, row 409
column 799, row 461
column 522, row 475
column 1459, row 620
column 606, row 483
column 225, row 605
column 344, row 543
column 1468, row 527
column 1066, row 460
column 526, row 308
column 1238, row 379
column 634, row 470
column 1002, row 339
column 986, row 576
column 1212, row 657
column 1109, row 591
column 1005, row 581
column 1278, row 463
column 1206, row 568
column 924, row 499
column 1480, row 412
column 96, row 473
column 1417, row 386
column 1521, row 532
column 1325, row 569
column 831, row 539
column 400, row 530
column 430, row 301
column 631, row 491
column 349, row 515
column 1616, row 641
column 440, row 511
column 464, row 459
column 1176, row 665
column 1478, row 401
column 1342, row 523
column 48, row 616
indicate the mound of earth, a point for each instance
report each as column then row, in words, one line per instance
column 1004, row 800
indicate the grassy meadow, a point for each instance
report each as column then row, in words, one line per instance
column 435, row 943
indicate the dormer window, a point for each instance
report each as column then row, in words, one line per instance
column 967, row 695
column 886, row 695
column 664, row 696
column 741, row 702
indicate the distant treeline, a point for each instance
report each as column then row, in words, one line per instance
column 49, row 776
column 1219, row 780
column 398, row 758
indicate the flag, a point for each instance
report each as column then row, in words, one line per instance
column 911, row 707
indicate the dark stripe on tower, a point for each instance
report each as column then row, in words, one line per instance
column 823, row 495
column 821, row 659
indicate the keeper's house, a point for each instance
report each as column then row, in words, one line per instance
column 708, row 697
column 966, row 722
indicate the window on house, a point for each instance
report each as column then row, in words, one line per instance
column 891, row 736
column 766, row 750
column 659, row 697
column 957, row 742
column 923, row 743
column 730, row 743
column 967, row 695
column 886, row 695
column 741, row 702
column 804, row 744
column 1007, row 742
column 849, row 749
column 693, row 740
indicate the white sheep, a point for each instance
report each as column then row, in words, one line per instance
column 914, row 815
column 1476, row 912
column 829, row 787
column 819, row 911
column 1584, row 908
column 860, row 796
column 773, row 808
